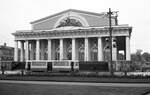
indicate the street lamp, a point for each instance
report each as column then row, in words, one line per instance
column 110, row 13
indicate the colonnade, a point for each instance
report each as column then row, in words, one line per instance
column 24, row 50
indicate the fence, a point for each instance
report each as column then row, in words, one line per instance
column 122, row 65
column 7, row 65
column 11, row 65
column 58, row 65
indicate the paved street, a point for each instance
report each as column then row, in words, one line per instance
column 70, row 88
column 79, row 83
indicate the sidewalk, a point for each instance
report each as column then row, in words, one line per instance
column 9, row 72
column 82, row 73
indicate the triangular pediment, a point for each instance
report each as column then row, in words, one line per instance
column 68, row 11
column 76, row 18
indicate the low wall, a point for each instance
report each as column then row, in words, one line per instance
column 17, row 65
column 103, row 66
column 68, row 65
column 93, row 66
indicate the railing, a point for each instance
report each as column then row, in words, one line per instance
column 36, row 64
column 56, row 64
column 7, row 65
column 65, row 65
column 122, row 65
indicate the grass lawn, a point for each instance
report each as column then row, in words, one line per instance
column 41, row 89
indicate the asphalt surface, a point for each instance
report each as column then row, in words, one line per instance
column 13, row 87
column 79, row 83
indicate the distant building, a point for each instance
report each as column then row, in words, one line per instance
column 72, row 36
column 6, row 53
column 6, row 56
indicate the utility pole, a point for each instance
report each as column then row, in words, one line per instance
column 110, row 40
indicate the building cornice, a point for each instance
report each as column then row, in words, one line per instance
column 80, row 32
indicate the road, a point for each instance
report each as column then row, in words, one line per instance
column 79, row 83
column 12, row 87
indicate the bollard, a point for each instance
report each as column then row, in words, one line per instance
column 72, row 68
column 22, row 72
column 2, row 68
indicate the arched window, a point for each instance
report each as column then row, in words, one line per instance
column 34, row 54
column 94, row 52
column 57, row 51
column 69, row 22
column 45, row 53
column 81, row 52
column 69, row 52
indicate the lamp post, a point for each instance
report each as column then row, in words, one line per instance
column 110, row 40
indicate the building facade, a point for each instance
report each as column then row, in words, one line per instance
column 72, row 36
column 6, row 56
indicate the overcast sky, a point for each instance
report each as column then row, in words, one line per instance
column 17, row 15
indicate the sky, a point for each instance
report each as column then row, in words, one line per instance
column 17, row 15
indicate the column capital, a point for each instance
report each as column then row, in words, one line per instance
column 16, row 40
column 61, row 38
column 127, row 36
column 26, row 40
column 22, row 41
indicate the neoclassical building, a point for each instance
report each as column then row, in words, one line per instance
column 72, row 36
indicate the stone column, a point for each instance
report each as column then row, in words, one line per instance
column 32, row 44
column 49, row 49
column 86, row 49
column 38, row 49
column 22, row 51
column 27, row 50
column 65, row 49
column 100, row 49
column 114, row 49
column 16, row 51
column 61, row 49
column 53, row 49
column 42, row 48
column 73, row 49
column 128, row 56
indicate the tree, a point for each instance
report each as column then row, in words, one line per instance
column 137, row 59
column 146, row 56
column 137, row 56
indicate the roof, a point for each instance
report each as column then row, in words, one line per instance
column 6, row 47
column 70, row 29
column 69, row 10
